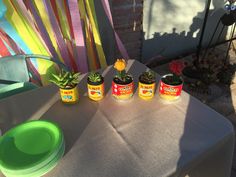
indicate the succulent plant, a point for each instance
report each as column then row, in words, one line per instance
column 121, row 74
column 148, row 77
column 65, row 79
column 176, row 67
column 172, row 79
column 95, row 77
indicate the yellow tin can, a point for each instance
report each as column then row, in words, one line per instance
column 96, row 92
column 146, row 91
column 69, row 95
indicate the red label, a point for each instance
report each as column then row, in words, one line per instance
column 119, row 90
column 170, row 90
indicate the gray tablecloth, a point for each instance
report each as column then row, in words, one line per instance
column 135, row 138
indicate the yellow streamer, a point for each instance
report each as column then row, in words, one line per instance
column 46, row 68
column 24, row 29
column 32, row 30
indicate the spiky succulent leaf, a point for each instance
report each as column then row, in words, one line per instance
column 56, row 77
column 67, row 74
column 76, row 75
column 148, row 77
column 95, row 77
column 53, row 81
column 65, row 79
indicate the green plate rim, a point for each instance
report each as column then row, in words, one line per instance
column 33, row 165
column 43, row 170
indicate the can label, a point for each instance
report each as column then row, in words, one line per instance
column 69, row 95
column 169, row 91
column 122, row 92
column 96, row 92
column 146, row 91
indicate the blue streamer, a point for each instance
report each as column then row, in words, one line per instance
column 3, row 9
column 10, row 31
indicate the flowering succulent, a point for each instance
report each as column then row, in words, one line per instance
column 120, row 65
column 176, row 68
column 122, row 75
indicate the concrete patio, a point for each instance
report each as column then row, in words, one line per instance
column 220, row 97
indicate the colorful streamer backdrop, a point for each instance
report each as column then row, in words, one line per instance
column 66, row 30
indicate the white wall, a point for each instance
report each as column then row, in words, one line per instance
column 173, row 27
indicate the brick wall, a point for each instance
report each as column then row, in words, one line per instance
column 127, row 16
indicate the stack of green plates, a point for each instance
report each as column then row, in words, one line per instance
column 31, row 149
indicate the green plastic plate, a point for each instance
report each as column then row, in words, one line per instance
column 45, row 169
column 30, row 145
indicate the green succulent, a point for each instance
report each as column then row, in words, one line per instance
column 148, row 77
column 65, row 79
column 95, row 77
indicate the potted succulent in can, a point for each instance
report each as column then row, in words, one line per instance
column 146, row 86
column 171, row 84
column 95, row 83
column 122, row 84
column 67, row 82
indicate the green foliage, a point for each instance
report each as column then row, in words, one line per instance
column 172, row 79
column 148, row 77
column 65, row 79
column 95, row 77
column 123, row 76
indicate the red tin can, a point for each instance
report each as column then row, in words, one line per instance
column 170, row 92
column 122, row 92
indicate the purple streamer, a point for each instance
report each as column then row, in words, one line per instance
column 79, row 36
column 56, row 29
column 120, row 45
column 42, row 29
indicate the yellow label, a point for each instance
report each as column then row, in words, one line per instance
column 96, row 92
column 69, row 95
column 146, row 91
